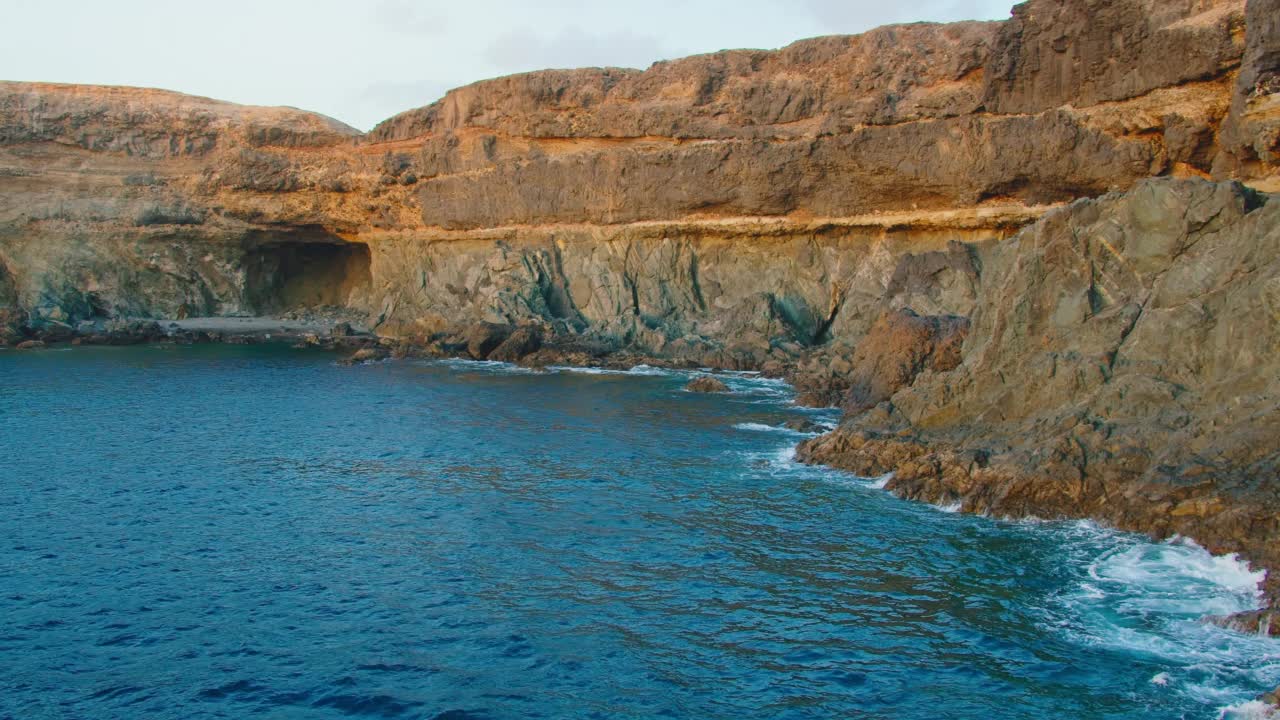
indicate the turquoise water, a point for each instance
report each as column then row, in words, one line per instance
column 253, row 531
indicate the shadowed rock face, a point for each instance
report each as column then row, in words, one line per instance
column 757, row 209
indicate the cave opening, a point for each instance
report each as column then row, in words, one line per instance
column 282, row 276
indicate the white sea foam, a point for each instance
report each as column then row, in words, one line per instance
column 761, row 427
column 1251, row 710
column 1179, row 576
column 882, row 482
column 1151, row 599
column 490, row 366
column 1147, row 599
column 954, row 507
column 773, row 389
column 638, row 370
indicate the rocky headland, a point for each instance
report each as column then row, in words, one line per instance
column 1036, row 261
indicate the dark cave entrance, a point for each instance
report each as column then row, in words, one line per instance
column 285, row 275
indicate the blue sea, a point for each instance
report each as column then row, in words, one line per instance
column 231, row 532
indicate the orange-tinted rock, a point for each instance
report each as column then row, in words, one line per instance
column 899, row 346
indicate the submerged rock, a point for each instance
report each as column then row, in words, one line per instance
column 802, row 425
column 368, row 354
column 707, row 384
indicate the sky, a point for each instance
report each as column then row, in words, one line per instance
column 362, row 61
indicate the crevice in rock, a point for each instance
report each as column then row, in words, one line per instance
column 694, row 283
column 823, row 334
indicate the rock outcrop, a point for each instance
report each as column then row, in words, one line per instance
column 1121, row 365
column 900, row 346
column 707, row 384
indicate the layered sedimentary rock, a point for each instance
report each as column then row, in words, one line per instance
column 842, row 209
column 599, row 201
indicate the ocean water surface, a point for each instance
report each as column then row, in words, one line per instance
column 213, row 531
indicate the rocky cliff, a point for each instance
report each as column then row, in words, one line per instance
column 1121, row 364
column 813, row 170
column 865, row 212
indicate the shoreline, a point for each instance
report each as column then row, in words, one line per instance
column 355, row 346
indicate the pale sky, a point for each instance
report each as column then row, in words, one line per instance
column 362, row 62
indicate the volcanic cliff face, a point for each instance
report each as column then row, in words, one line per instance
column 846, row 207
column 1121, row 365
column 744, row 198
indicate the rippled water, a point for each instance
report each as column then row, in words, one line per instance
column 232, row 532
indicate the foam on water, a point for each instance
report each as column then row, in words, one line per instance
column 761, row 427
column 772, row 389
column 638, row 370
column 1151, row 599
column 1180, row 576
column 1251, row 710
column 491, row 366
column 882, row 482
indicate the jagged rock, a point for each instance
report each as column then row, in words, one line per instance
column 899, row 346
column 1251, row 132
column 1117, row 367
column 707, row 384
column 30, row 345
column 1257, row 622
column 11, row 323
column 52, row 331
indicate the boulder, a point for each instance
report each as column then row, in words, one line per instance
column 369, row 354
column 803, row 425
column 484, row 338
column 707, row 384
column 520, row 344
